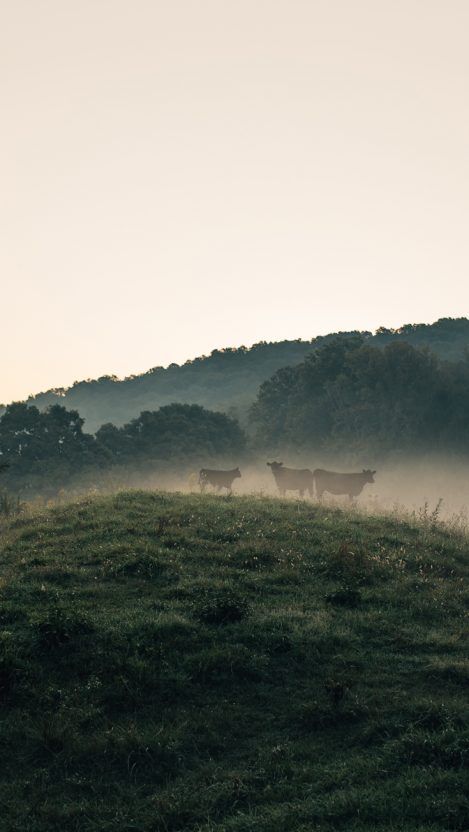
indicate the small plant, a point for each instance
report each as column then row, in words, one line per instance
column 221, row 606
column 61, row 627
column 430, row 518
column 351, row 565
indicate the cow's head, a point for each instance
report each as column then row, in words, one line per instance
column 237, row 472
column 274, row 465
column 368, row 475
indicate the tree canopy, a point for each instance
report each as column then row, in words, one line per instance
column 46, row 450
column 351, row 396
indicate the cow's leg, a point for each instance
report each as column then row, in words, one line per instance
column 301, row 493
column 320, row 493
column 202, row 486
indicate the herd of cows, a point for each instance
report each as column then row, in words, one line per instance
column 294, row 479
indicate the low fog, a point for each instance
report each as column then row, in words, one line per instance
column 420, row 485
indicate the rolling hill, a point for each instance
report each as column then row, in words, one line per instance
column 177, row 663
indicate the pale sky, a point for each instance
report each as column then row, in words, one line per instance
column 180, row 175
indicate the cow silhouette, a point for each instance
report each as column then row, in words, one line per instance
column 292, row 479
column 218, row 479
column 335, row 483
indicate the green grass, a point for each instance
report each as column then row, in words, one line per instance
column 172, row 663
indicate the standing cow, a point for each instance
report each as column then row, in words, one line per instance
column 219, row 479
column 334, row 483
column 292, row 479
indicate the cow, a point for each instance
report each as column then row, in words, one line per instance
column 292, row 479
column 334, row 483
column 219, row 479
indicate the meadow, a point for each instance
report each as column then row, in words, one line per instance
column 188, row 663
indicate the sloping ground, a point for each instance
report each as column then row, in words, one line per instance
column 175, row 663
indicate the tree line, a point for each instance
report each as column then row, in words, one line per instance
column 228, row 379
column 48, row 450
column 350, row 397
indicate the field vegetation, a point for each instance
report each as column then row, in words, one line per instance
column 187, row 663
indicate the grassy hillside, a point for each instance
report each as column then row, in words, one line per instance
column 229, row 379
column 172, row 663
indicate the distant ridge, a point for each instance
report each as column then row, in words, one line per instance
column 228, row 379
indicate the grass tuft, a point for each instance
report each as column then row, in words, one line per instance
column 60, row 628
column 221, row 606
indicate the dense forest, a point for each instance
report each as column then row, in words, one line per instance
column 228, row 379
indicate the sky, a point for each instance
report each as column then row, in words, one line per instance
column 182, row 176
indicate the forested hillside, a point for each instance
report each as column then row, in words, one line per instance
column 229, row 379
column 352, row 398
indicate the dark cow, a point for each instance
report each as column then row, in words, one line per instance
column 334, row 483
column 292, row 479
column 219, row 479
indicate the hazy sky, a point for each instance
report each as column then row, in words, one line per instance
column 179, row 175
